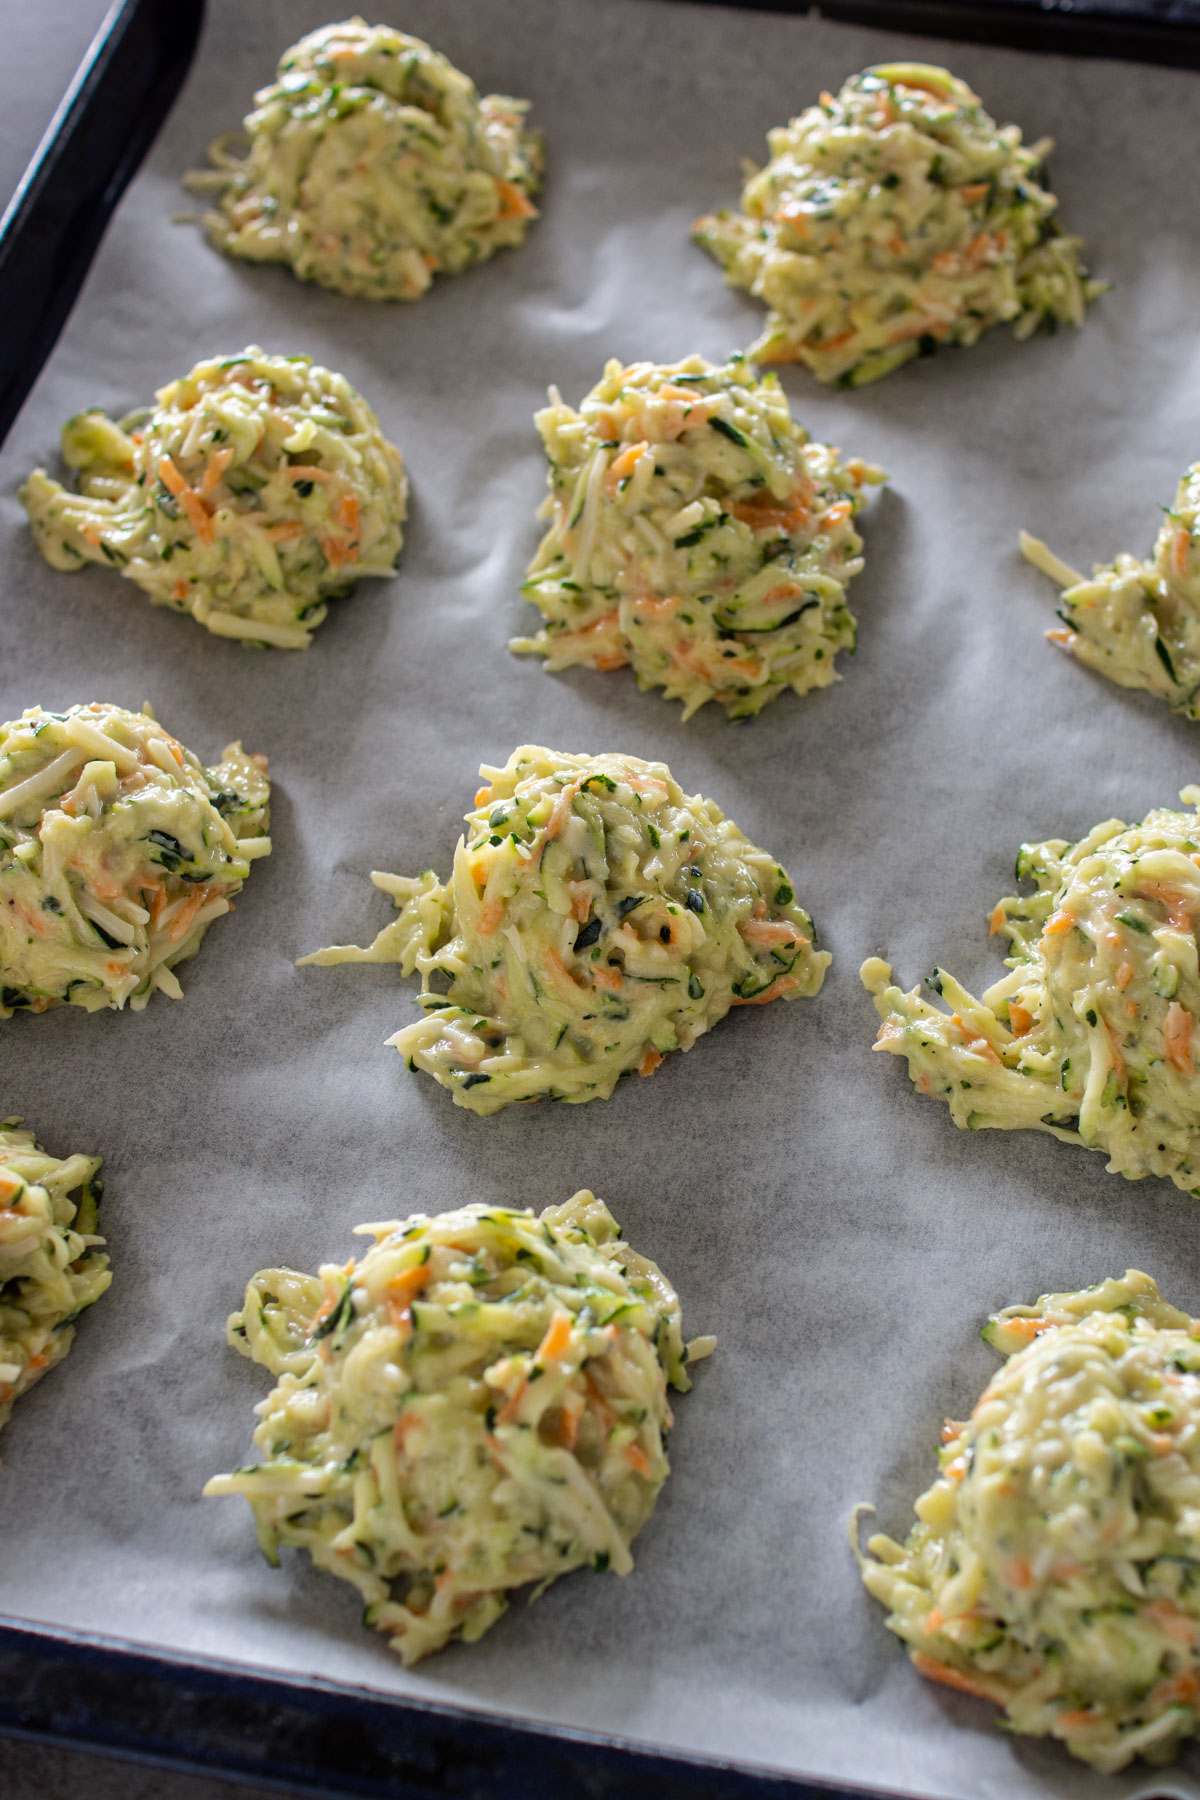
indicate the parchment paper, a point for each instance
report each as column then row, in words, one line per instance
column 835, row 1231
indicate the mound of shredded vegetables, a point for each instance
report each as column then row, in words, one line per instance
column 478, row 1402
column 697, row 535
column 1055, row 1564
column 257, row 489
column 1139, row 622
column 373, row 166
column 118, row 849
column 1092, row 1035
column 597, row 918
column 52, row 1264
column 893, row 217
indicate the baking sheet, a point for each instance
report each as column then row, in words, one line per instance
column 835, row 1231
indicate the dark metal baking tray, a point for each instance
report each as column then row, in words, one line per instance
column 1162, row 31
column 204, row 1715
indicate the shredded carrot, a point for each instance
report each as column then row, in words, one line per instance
column 1124, row 976
column 181, row 924
column 1058, row 922
column 347, row 517
column 1170, row 1620
column 326, row 1307
column 974, row 190
column 1183, row 543
column 1026, row 1328
column 557, row 1338
column 179, row 591
column 568, row 1428
column 932, row 1670
column 9, row 1185
column 1180, row 1690
column 215, row 470
column 190, row 501
column 554, row 963
column 650, row 1060
column 996, row 922
column 279, row 534
column 605, row 977
column 1020, row 1019
column 1118, row 1061
column 783, row 984
column 560, row 812
column 978, row 1046
column 514, row 202
column 771, row 932
column 762, row 517
column 793, row 214
column 1060, row 635
column 404, row 1424
column 657, row 606
column 638, row 1460
column 400, row 1293
column 1177, row 901
column 490, row 916
column 1178, row 1037
column 1078, row 1720
column 623, row 465
column 309, row 472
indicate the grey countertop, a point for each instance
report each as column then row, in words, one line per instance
column 39, row 1772
column 43, row 47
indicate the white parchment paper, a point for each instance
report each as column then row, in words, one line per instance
column 835, row 1231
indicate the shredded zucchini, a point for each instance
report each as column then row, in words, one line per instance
column 373, row 165
column 696, row 534
column 1139, row 622
column 257, row 489
column 52, row 1261
column 893, row 217
column 477, row 1403
column 118, row 849
column 597, row 918
column 1055, row 1564
column 1092, row 1034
